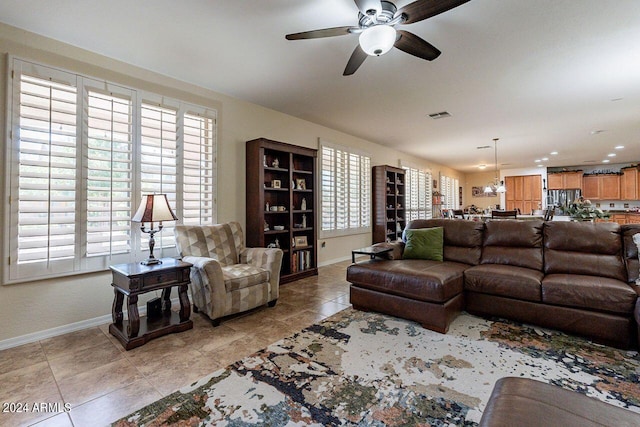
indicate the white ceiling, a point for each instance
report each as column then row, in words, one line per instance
column 541, row 75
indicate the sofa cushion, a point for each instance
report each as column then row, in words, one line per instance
column 587, row 248
column 462, row 238
column 423, row 280
column 590, row 292
column 424, row 243
column 504, row 280
column 238, row 276
column 517, row 243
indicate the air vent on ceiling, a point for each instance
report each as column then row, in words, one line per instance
column 484, row 147
column 441, row 115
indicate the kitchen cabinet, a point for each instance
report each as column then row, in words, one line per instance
column 629, row 184
column 569, row 180
column 601, row 187
column 523, row 192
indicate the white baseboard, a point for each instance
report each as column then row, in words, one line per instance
column 65, row 329
column 334, row 261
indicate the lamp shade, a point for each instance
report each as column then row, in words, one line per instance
column 377, row 40
column 154, row 208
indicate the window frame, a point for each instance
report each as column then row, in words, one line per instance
column 81, row 262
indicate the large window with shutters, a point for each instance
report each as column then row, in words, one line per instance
column 345, row 191
column 80, row 154
column 449, row 190
column 418, row 185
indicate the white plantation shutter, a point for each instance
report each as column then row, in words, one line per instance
column 346, row 189
column 81, row 153
column 43, row 208
column 158, row 162
column 198, row 170
column 328, row 188
column 449, row 186
column 109, row 173
column 418, row 183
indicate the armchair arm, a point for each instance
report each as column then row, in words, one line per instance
column 207, row 285
column 269, row 259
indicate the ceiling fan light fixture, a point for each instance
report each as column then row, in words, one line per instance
column 377, row 39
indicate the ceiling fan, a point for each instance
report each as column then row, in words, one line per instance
column 376, row 26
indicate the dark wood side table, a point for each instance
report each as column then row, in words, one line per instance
column 135, row 279
column 372, row 251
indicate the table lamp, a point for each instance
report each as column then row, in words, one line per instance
column 153, row 208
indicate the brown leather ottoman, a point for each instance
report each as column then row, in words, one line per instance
column 428, row 292
column 525, row 402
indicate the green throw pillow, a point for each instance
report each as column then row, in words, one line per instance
column 424, row 243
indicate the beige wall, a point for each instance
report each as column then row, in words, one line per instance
column 51, row 306
column 480, row 179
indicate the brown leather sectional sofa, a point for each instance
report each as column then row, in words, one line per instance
column 577, row 277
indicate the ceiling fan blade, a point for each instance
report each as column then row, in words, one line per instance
column 423, row 9
column 326, row 32
column 357, row 58
column 367, row 5
column 414, row 45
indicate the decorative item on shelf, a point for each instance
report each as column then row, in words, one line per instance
column 266, row 226
column 264, row 161
column 304, row 221
column 277, row 243
column 153, row 208
column 266, row 207
column 301, row 184
column 273, row 208
column 293, row 242
column 276, row 183
column 496, row 186
column 275, row 163
column 303, row 204
column 583, row 210
column 437, row 197
column 278, row 227
column 282, row 208
column 300, row 241
column 388, row 190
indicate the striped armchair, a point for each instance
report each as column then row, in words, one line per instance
column 226, row 277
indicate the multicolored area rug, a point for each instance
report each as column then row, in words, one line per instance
column 359, row 368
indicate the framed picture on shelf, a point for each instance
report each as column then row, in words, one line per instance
column 276, row 183
column 301, row 184
column 300, row 241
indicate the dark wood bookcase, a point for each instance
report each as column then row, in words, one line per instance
column 389, row 214
column 281, row 204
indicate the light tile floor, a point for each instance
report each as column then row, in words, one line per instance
column 90, row 371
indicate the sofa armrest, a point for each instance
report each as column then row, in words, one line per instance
column 397, row 249
column 269, row 259
column 207, row 285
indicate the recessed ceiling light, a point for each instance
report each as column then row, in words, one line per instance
column 537, row 160
column 554, row 153
column 544, row 159
column 611, row 155
column 540, row 166
column 618, row 147
column 482, row 166
column 596, row 132
column 606, row 161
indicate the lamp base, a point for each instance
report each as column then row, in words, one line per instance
column 151, row 261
